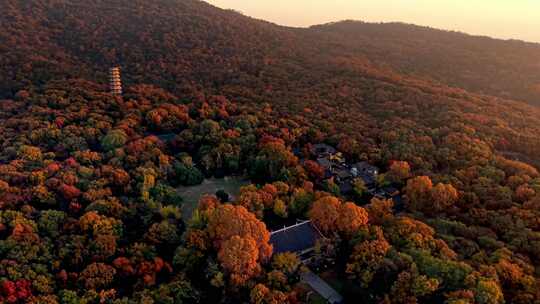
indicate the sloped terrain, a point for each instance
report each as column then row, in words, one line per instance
column 507, row 69
column 89, row 207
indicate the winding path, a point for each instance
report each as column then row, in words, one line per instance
column 321, row 287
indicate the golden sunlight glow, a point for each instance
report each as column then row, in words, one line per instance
column 507, row 19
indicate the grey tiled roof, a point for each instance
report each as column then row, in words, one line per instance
column 324, row 162
column 365, row 167
column 323, row 149
column 368, row 179
column 296, row 238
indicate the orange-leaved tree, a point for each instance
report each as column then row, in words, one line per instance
column 325, row 213
column 399, row 171
column 443, row 196
column 239, row 257
column 418, row 191
column 227, row 221
column 351, row 218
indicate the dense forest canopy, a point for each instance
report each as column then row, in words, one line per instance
column 89, row 207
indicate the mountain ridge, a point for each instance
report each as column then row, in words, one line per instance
column 420, row 28
column 480, row 64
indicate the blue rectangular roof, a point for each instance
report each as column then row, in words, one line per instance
column 296, row 238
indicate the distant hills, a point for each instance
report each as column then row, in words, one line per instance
column 509, row 69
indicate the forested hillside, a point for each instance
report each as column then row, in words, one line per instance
column 508, row 69
column 175, row 44
column 89, row 207
column 182, row 41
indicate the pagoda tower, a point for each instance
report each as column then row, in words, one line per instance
column 115, row 82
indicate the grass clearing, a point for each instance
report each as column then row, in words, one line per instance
column 191, row 195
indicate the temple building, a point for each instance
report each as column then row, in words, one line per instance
column 115, row 82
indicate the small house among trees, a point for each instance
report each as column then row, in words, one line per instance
column 323, row 150
column 368, row 173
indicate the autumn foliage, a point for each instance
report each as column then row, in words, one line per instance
column 325, row 213
column 330, row 214
column 228, row 221
column 90, row 204
column 351, row 218
column 240, row 257
column 425, row 197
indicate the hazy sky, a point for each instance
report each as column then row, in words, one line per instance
column 518, row 19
